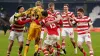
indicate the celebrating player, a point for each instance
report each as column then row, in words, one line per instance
column 54, row 13
column 35, row 29
column 52, row 35
column 67, row 28
column 84, row 25
column 17, row 25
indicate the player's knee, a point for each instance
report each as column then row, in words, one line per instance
column 37, row 41
column 11, row 43
column 79, row 45
column 63, row 37
column 21, row 45
column 28, row 42
column 88, row 42
column 72, row 39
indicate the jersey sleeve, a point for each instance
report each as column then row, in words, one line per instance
column 72, row 15
column 11, row 20
column 57, row 13
column 23, row 21
column 43, row 22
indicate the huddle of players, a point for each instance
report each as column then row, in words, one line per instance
column 52, row 21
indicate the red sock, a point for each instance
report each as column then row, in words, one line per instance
column 63, row 45
column 46, row 53
column 51, row 50
column 58, row 49
column 39, row 50
column 91, row 53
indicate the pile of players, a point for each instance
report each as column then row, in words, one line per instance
column 52, row 20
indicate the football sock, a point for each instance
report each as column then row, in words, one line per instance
column 58, row 49
column 51, row 50
column 36, row 47
column 39, row 50
column 26, row 49
column 91, row 53
column 46, row 53
column 20, row 49
column 63, row 45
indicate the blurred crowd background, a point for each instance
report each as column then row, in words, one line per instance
column 8, row 8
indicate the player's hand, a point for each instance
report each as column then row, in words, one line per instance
column 87, row 31
column 20, row 18
column 48, row 23
column 33, row 18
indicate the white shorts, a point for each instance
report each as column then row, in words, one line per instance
column 18, row 35
column 84, row 37
column 67, row 32
column 51, row 39
column 42, row 35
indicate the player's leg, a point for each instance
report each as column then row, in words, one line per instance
column 79, row 43
column 56, row 43
column 71, row 35
column 11, row 38
column 37, row 40
column 36, row 46
column 58, row 49
column 45, row 51
column 74, row 45
column 59, row 32
column 41, row 38
column 63, row 35
column 5, row 32
column 10, row 47
column 31, row 36
column 26, row 47
column 89, row 44
column 20, row 40
column 51, row 50
column 57, row 52
column 45, row 46
column 20, row 48
column 30, row 32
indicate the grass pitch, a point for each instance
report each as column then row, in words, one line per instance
column 70, row 50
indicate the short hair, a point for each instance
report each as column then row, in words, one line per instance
column 66, row 5
column 38, row 3
column 81, row 10
column 51, row 4
column 44, row 13
column 20, row 6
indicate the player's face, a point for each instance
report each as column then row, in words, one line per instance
column 21, row 9
column 52, row 7
column 79, row 14
column 41, row 5
column 66, row 8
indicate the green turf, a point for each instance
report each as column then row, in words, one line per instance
column 70, row 50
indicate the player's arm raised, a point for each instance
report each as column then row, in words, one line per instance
column 58, row 18
column 24, row 13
